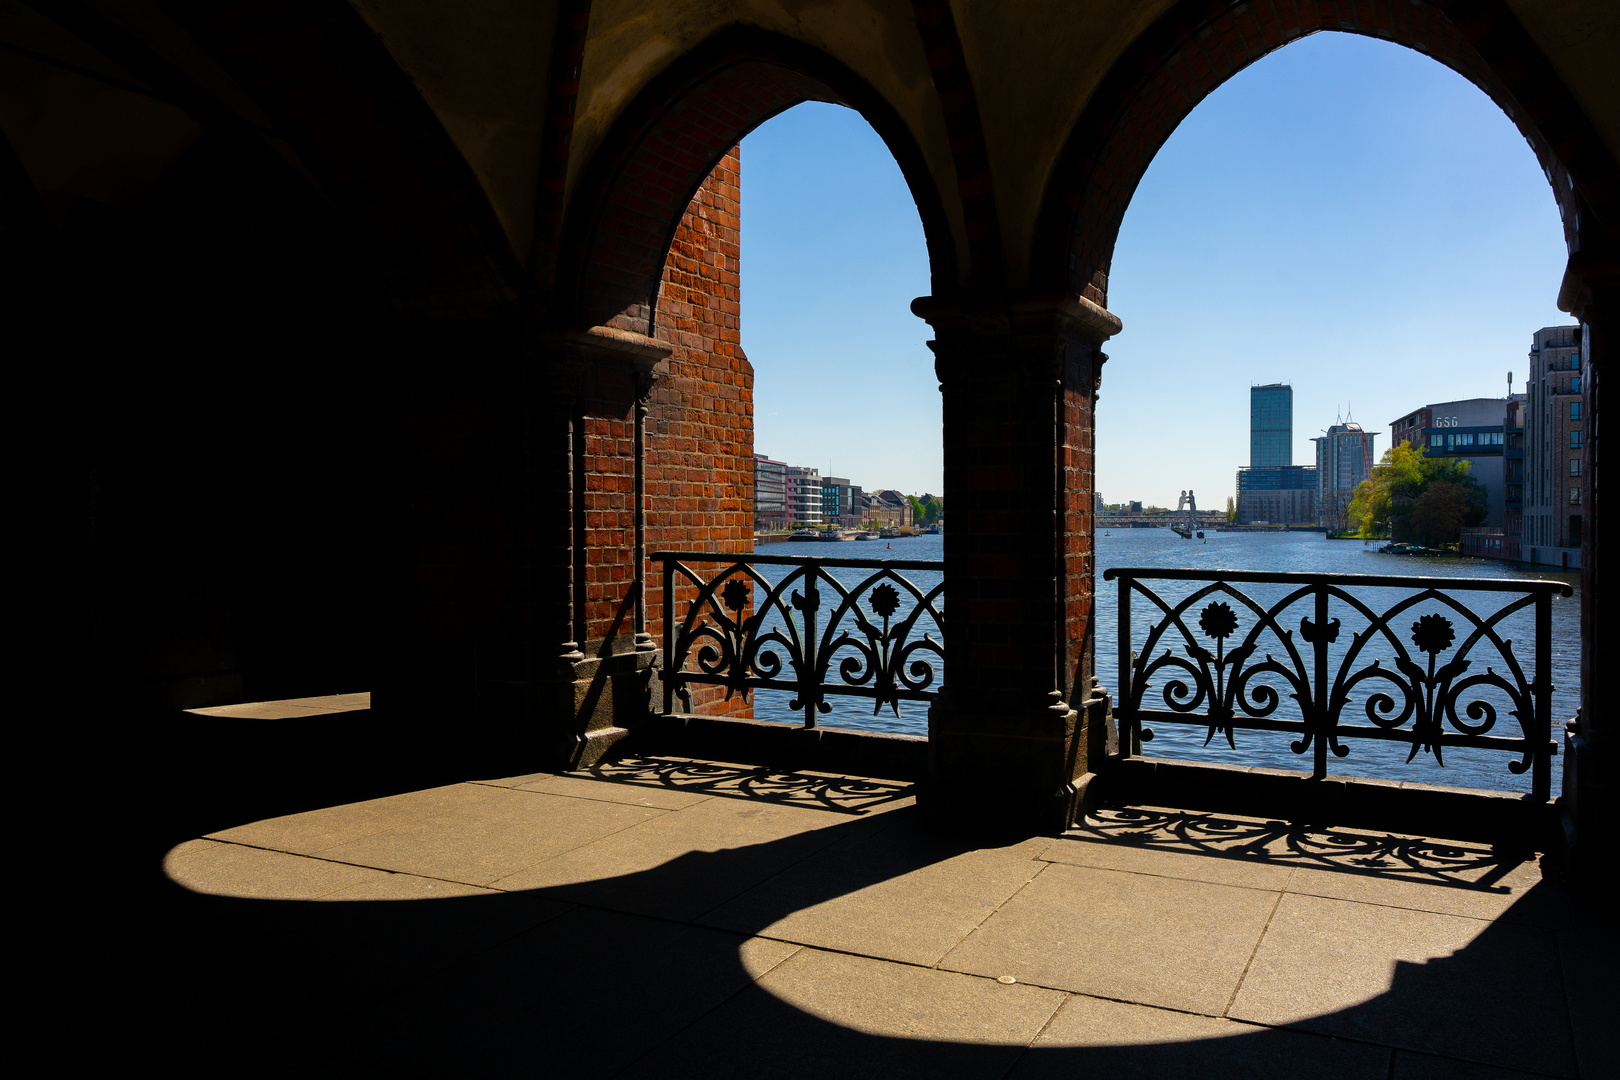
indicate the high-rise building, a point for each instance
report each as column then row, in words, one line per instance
column 1555, row 482
column 1271, row 425
column 1344, row 458
column 1273, row 490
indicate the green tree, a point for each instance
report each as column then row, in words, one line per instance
column 1231, row 509
column 1436, row 517
column 1385, row 504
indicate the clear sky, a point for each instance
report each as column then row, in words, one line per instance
column 1345, row 215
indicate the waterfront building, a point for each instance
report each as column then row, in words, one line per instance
column 1473, row 429
column 838, row 499
column 1513, row 476
column 803, row 496
column 1279, row 495
column 1344, row 458
column 770, row 493
column 1271, row 425
column 1555, row 488
column 889, row 507
column 1273, row 490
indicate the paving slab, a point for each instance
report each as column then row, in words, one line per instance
column 908, row 892
column 1514, row 894
column 215, row 868
column 586, row 786
column 290, row 708
column 315, row 831
column 1414, row 980
column 1152, row 940
column 1093, row 1037
column 822, row 1014
column 480, row 834
column 1410, row 1066
column 685, row 863
column 1215, row 868
column 584, row 996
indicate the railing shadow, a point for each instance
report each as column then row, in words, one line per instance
column 1347, row 851
column 843, row 794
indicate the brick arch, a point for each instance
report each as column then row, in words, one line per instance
column 682, row 124
column 1199, row 44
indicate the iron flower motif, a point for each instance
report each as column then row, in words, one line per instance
column 885, row 600
column 1432, row 634
column 735, row 594
column 1218, row 621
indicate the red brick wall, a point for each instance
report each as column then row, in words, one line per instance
column 699, row 434
column 700, row 423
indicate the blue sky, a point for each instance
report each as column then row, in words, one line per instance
column 1346, row 215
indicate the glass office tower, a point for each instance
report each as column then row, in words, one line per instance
column 1271, row 425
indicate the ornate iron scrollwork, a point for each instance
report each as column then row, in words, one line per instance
column 1415, row 688
column 791, row 638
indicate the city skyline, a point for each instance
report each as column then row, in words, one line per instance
column 1362, row 204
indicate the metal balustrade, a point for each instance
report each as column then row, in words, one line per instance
column 876, row 636
column 1357, row 670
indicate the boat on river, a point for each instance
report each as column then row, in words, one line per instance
column 1411, row 549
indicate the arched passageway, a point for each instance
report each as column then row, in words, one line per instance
column 500, row 195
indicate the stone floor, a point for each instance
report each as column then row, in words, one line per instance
column 670, row 918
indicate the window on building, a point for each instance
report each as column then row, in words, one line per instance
column 1575, row 440
column 1574, row 466
column 1574, row 410
column 1575, row 496
column 1575, row 385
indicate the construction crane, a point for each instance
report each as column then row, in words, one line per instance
column 1188, row 526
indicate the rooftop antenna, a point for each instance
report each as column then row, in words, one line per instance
column 1510, row 384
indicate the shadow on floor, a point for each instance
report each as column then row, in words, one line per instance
column 534, row 983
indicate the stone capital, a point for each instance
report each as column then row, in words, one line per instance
column 988, row 316
column 568, row 354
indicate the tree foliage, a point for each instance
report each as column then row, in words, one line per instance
column 1414, row 498
column 927, row 510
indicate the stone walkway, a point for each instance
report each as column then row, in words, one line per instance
column 671, row 918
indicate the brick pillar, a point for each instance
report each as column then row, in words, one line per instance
column 1020, row 723
column 595, row 659
column 1591, row 800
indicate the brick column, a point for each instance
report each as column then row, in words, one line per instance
column 1591, row 799
column 1020, row 723
column 592, row 684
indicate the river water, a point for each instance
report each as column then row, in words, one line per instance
column 1306, row 552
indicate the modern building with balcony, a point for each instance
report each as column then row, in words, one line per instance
column 804, row 496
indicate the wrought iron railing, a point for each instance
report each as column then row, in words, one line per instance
column 742, row 631
column 1358, row 660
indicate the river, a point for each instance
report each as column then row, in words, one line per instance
column 1307, row 552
